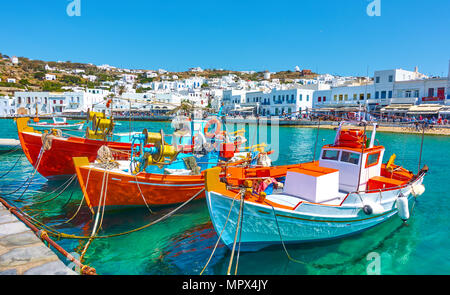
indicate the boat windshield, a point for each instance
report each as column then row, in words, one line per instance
column 330, row 155
column 59, row 120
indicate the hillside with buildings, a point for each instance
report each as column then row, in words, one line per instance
column 29, row 86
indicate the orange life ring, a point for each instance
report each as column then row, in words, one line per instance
column 213, row 121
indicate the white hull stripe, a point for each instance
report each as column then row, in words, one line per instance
column 164, row 184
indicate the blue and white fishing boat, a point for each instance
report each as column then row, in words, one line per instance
column 348, row 190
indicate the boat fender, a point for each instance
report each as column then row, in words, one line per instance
column 417, row 190
column 402, row 207
column 373, row 208
column 367, row 209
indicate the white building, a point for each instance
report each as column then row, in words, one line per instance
column 11, row 80
column 232, row 99
column 151, row 74
column 129, row 78
column 14, row 60
column 289, row 101
column 56, row 103
column 91, row 78
column 196, row 70
column 396, row 86
column 48, row 68
column 50, row 77
column 266, row 75
column 6, row 106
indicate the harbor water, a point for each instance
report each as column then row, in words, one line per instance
column 183, row 243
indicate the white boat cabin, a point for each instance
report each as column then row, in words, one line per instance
column 345, row 166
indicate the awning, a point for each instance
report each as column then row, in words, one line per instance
column 349, row 109
column 397, row 108
column 245, row 109
column 444, row 111
column 72, row 111
column 425, row 109
column 324, row 110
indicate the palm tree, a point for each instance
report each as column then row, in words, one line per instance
column 185, row 107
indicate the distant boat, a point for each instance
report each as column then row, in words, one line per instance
column 58, row 123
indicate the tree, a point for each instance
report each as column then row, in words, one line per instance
column 39, row 75
column 185, row 107
column 24, row 82
column 51, row 86
column 70, row 79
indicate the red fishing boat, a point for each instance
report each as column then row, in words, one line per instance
column 51, row 154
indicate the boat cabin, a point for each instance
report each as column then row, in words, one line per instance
column 346, row 154
column 348, row 165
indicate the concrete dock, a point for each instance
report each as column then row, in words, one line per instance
column 23, row 253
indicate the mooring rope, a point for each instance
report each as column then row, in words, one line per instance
column 66, row 183
column 142, row 195
column 236, row 233
column 54, row 197
column 13, row 150
column 281, row 238
column 220, row 235
column 70, row 236
column 29, row 179
column 102, row 202
column 14, row 166
column 240, row 239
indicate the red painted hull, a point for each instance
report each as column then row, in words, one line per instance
column 58, row 160
column 125, row 190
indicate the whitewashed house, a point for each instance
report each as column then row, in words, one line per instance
column 14, row 60
column 50, row 77
column 6, row 106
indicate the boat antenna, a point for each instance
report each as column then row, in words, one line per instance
column 129, row 117
column 421, row 146
column 362, row 156
column 317, row 138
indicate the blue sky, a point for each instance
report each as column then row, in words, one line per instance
column 333, row 36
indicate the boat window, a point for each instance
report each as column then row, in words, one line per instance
column 372, row 159
column 330, row 155
column 349, row 157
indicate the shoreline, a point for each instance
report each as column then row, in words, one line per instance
column 387, row 127
column 392, row 129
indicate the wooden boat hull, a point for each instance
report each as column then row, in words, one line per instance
column 123, row 189
column 57, row 161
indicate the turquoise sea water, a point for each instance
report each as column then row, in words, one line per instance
column 182, row 244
